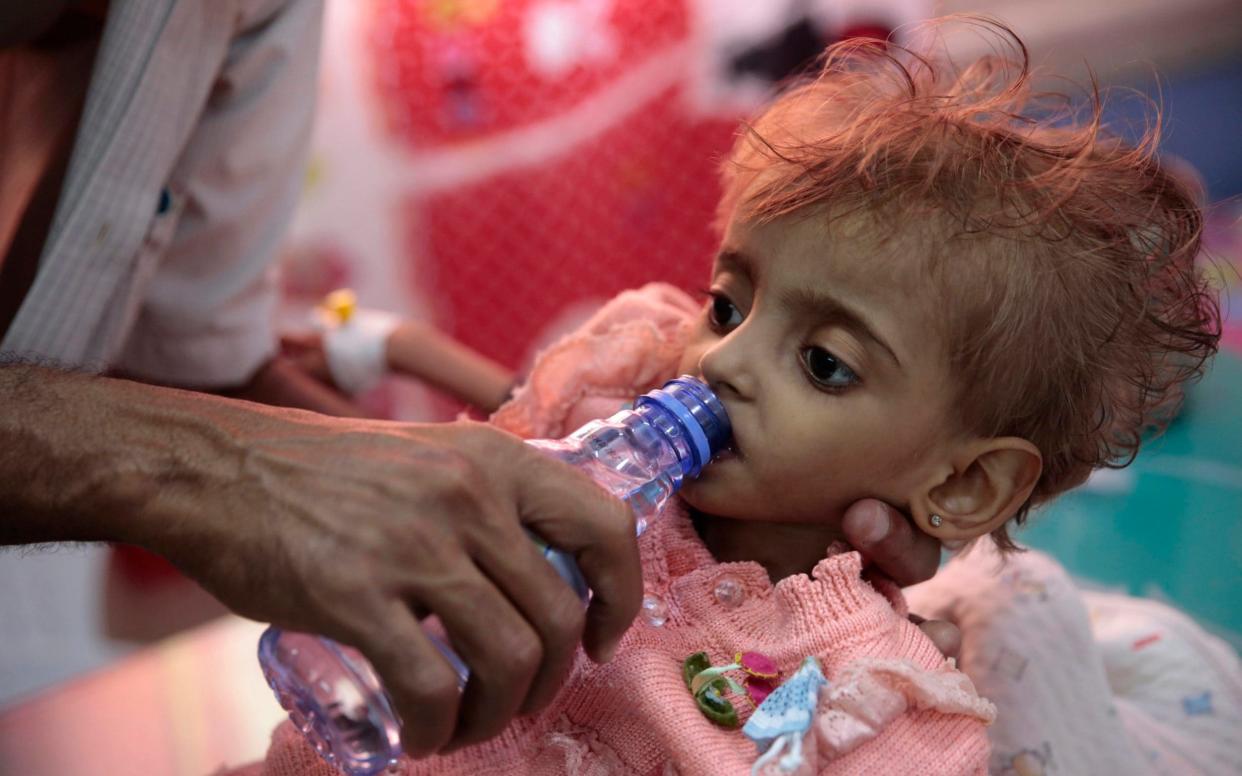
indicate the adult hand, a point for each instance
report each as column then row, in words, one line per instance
column 354, row 532
column 306, row 350
column 419, row 351
column 888, row 540
column 348, row 528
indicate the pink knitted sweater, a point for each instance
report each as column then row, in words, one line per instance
column 635, row 714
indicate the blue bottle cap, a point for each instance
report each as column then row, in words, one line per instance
column 699, row 411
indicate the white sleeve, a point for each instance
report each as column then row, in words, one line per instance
column 1028, row 647
column 206, row 319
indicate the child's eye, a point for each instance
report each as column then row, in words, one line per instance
column 826, row 370
column 723, row 314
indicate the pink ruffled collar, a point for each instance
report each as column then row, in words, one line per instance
column 672, row 536
column 675, row 556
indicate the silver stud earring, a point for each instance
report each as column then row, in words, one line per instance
column 935, row 521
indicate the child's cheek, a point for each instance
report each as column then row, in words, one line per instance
column 691, row 356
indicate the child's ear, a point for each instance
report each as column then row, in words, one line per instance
column 984, row 485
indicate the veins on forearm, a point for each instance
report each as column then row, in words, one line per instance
column 82, row 457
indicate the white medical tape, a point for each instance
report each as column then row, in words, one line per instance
column 357, row 350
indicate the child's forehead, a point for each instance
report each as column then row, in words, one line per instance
column 854, row 248
column 819, row 270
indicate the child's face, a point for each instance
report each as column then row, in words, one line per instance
column 822, row 347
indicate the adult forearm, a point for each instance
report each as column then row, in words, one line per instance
column 335, row 526
column 91, row 458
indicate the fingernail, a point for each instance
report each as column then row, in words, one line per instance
column 876, row 525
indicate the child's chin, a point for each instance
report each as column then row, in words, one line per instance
column 703, row 496
column 690, row 493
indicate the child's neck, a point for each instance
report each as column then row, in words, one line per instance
column 783, row 549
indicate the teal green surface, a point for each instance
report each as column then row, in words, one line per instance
column 1169, row 526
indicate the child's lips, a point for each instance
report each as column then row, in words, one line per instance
column 733, row 449
column 730, row 451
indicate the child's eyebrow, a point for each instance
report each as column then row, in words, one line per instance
column 736, row 260
column 812, row 303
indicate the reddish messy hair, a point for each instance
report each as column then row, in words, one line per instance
column 1072, row 309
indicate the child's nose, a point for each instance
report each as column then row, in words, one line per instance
column 728, row 369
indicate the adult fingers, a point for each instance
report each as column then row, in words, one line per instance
column 510, row 559
column 888, row 539
column 306, row 350
column 423, row 686
column 944, row 634
column 295, row 342
column 502, row 649
column 573, row 514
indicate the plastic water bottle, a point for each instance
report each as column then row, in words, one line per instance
column 641, row 455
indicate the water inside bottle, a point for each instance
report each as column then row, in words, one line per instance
column 645, row 494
